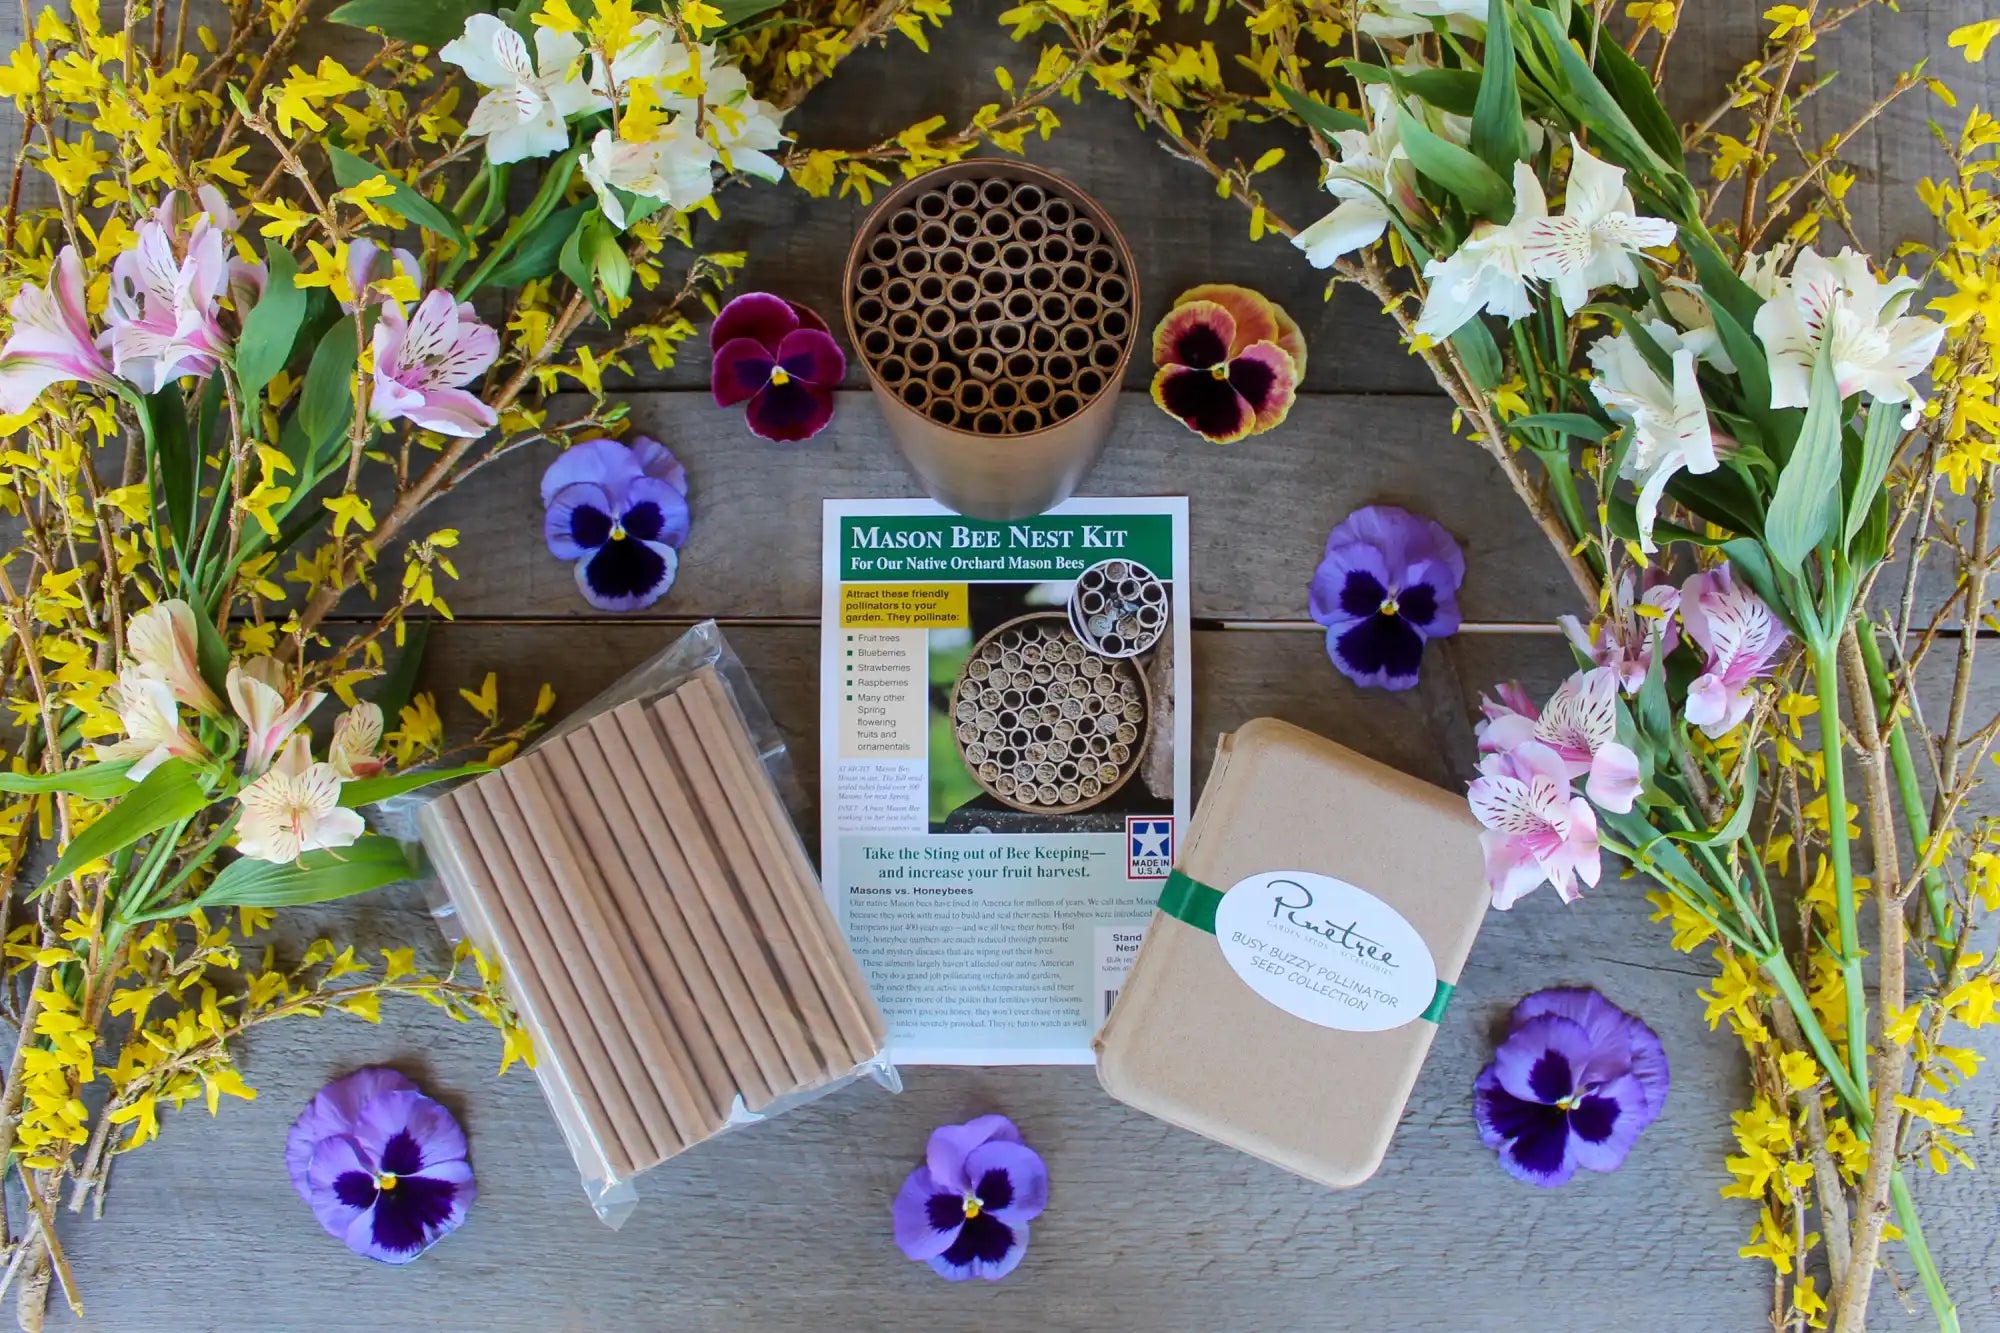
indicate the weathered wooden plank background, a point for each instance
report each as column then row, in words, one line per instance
column 786, row 1226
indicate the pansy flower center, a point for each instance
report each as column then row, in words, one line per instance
column 1220, row 370
column 780, row 376
column 386, row 1181
column 1389, row 605
column 973, row 1205
column 617, row 531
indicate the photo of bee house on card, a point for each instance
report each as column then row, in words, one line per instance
column 1054, row 709
column 1004, row 754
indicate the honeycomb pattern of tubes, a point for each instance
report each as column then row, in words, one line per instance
column 993, row 305
column 1118, row 608
column 1043, row 724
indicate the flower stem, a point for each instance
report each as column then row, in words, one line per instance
column 1920, row 1254
column 1824, row 652
column 1915, row 815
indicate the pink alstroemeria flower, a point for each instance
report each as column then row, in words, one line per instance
column 1580, row 725
column 421, row 364
column 1739, row 634
column 369, row 263
column 257, row 693
column 1629, row 636
column 50, row 342
column 1538, row 831
column 163, row 641
column 165, row 299
column 152, row 722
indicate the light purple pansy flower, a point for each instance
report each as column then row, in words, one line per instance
column 966, row 1210
column 620, row 513
column 50, row 342
column 778, row 357
column 382, row 1166
column 1573, row 1085
column 1387, row 585
column 421, row 363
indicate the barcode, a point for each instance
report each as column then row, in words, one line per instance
column 1110, row 998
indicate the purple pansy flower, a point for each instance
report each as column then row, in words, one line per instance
column 1573, row 1085
column 621, row 513
column 779, row 357
column 966, row 1210
column 381, row 1165
column 1387, row 584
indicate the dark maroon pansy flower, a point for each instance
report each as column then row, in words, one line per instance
column 778, row 357
column 1573, row 1085
column 966, row 1210
column 1229, row 362
column 620, row 513
column 381, row 1165
column 1387, row 584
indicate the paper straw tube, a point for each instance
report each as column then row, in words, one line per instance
column 884, row 249
column 1037, row 391
column 943, row 379
column 1021, row 365
column 930, row 292
column 585, row 1016
column 1060, row 367
column 984, row 253
column 1066, row 404
column 939, row 320
column 1004, row 395
column 990, row 423
column 996, row 193
column 964, row 340
column 1031, row 229
column 1007, row 336
column 943, row 411
column 1039, row 277
column 963, row 193
column 912, row 261
column 1075, row 338
column 933, row 205
column 877, row 343
column 1115, row 325
column 997, row 225
column 899, row 293
column 643, row 901
column 995, row 282
column 921, row 355
column 892, row 369
column 962, row 292
column 1106, row 355
column 917, row 394
column 870, row 278
column 983, row 364
column 664, row 1049
column 871, row 312
column 1056, row 249
column 741, row 1005
column 1074, row 277
column 692, row 833
column 1058, row 212
column 1084, row 308
column 596, row 1131
column 905, row 325
column 719, row 804
column 1024, row 421
column 905, row 223
column 970, row 396
column 950, row 262
column 1082, row 234
column 854, row 1007
column 1089, row 383
column 1054, row 309
column 1027, row 198
column 1015, row 257
column 934, row 236
column 964, row 226
column 1041, row 339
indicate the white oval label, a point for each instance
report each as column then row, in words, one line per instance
column 1323, row 950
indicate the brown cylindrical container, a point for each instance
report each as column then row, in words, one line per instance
column 984, row 464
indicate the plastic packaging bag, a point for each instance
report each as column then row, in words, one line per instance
column 640, row 882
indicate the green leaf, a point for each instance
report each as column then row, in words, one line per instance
column 1468, row 179
column 1623, row 517
column 1807, row 501
column 1656, row 714
column 1578, row 91
column 1721, row 283
column 1749, row 559
column 370, row 862
column 326, row 403
column 1632, row 88
column 1567, row 423
column 538, row 251
column 735, row 11
column 1499, row 131
column 174, row 791
column 1720, row 497
column 1475, row 345
column 351, row 170
column 1328, row 120
column 1455, row 91
column 211, row 654
column 176, row 462
column 1878, row 450
column 272, row 325
column 93, row 782
column 423, row 22
column 1753, row 370
column 367, row 791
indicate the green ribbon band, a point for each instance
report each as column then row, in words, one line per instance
column 1188, row 899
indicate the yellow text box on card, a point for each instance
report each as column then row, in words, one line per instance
column 904, row 606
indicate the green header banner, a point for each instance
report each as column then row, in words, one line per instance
column 970, row 550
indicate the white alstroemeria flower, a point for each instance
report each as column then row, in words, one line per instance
column 152, row 721
column 743, row 129
column 1688, row 308
column 256, row 689
column 1764, row 273
column 1591, row 245
column 1668, row 420
column 1838, row 304
column 295, row 808
column 1372, row 179
column 356, row 737
column 1411, row 18
column 530, row 99
column 651, row 51
column 675, row 166
column 1490, row 271
column 162, row 640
